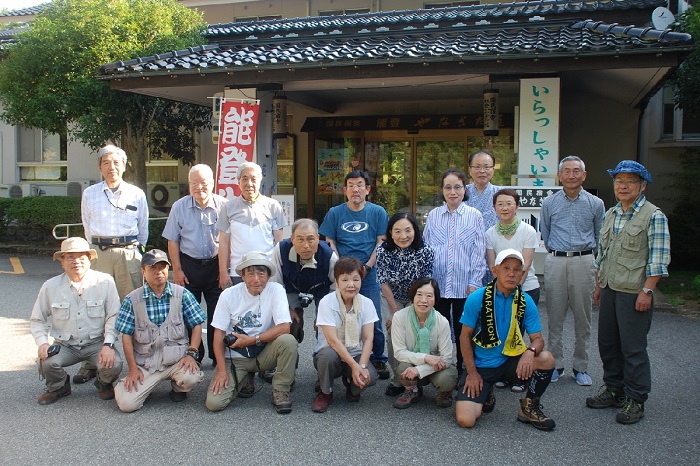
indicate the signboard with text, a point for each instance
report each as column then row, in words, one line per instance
column 237, row 125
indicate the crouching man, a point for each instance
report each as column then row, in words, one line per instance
column 254, row 317
column 82, row 305
column 154, row 320
column 500, row 314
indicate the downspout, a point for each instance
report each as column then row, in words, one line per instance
column 640, row 132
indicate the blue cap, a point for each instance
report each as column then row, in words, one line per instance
column 630, row 166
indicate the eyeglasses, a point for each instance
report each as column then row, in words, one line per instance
column 457, row 187
column 626, row 182
column 358, row 186
column 481, row 168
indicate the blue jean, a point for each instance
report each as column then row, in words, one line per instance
column 372, row 290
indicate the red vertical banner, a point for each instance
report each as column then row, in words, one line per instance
column 237, row 125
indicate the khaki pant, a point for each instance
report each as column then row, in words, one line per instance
column 181, row 380
column 68, row 355
column 123, row 264
column 443, row 380
column 280, row 353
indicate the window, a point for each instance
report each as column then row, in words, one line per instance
column 347, row 11
column 676, row 125
column 245, row 19
column 428, row 6
column 39, row 156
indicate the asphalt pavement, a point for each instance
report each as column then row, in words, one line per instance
column 84, row 430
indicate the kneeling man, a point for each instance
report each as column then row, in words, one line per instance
column 254, row 317
column 82, row 305
column 155, row 319
column 498, row 310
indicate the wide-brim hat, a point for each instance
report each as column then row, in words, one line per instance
column 254, row 258
column 75, row 244
column 154, row 256
column 507, row 253
column 630, row 166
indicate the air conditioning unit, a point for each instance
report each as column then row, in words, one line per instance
column 75, row 188
column 162, row 195
column 16, row 191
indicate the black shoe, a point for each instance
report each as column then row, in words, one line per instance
column 382, row 370
column 490, row 403
column 631, row 412
column 393, row 390
column 607, row 397
column 177, row 397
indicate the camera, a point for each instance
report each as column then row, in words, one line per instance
column 230, row 339
column 305, row 299
column 53, row 350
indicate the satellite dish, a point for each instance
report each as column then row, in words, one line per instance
column 662, row 18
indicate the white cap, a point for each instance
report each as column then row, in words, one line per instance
column 506, row 253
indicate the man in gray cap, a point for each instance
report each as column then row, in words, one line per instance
column 154, row 320
column 254, row 317
column 82, row 305
column 633, row 255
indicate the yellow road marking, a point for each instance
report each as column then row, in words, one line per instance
column 17, row 268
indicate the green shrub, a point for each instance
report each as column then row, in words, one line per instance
column 696, row 285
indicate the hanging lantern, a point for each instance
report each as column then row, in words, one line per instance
column 279, row 116
column 490, row 112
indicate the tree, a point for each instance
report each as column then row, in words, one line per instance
column 48, row 77
column 686, row 79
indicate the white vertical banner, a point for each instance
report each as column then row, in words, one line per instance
column 538, row 135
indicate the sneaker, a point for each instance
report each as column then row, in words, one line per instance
column 104, row 390
column 518, row 388
column 556, row 374
column 382, row 370
column 490, row 403
column 631, row 412
column 393, row 390
column 281, row 401
column 500, row 384
column 248, row 389
column 268, row 375
column 84, row 375
column 444, row 399
column 583, row 379
column 531, row 411
column 607, row 397
column 321, row 402
column 407, row 398
column 48, row 397
column 177, row 397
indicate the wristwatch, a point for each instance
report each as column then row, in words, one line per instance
column 193, row 353
column 363, row 366
column 648, row 291
column 532, row 348
column 257, row 340
column 109, row 345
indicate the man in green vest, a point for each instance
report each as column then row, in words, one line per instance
column 633, row 254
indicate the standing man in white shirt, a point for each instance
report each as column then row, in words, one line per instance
column 115, row 220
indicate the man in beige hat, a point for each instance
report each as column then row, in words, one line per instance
column 82, row 305
column 254, row 316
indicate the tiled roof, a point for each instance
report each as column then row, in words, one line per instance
column 32, row 10
column 502, row 42
column 398, row 20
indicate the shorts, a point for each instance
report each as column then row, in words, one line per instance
column 506, row 372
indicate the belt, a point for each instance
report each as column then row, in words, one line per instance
column 114, row 241
column 571, row 253
column 199, row 261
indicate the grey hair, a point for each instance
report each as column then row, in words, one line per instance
column 571, row 158
column 248, row 165
column 305, row 224
column 111, row 149
column 202, row 168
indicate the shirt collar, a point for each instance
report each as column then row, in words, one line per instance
column 148, row 291
column 210, row 203
column 293, row 258
column 635, row 206
column 460, row 209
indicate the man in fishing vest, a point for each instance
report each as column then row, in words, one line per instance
column 495, row 319
column 154, row 320
column 304, row 265
column 634, row 254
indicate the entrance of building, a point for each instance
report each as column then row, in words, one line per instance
column 404, row 169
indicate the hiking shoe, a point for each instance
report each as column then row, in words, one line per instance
column 607, row 397
column 490, row 403
column 556, row 374
column 321, row 402
column 583, row 379
column 517, row 388
column 500, row 384
column 407, row 398
column 248, row 389
column 382, row 370
column 48, row 397
column 531, row 411
column 268, row 375
column 84, row 375
column 281, row 401
column 631, row 412
column 104, row 390
column 444, row 399
column 393, row 390
column 177, row 397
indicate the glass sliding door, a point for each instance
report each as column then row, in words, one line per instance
column 389, row 163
